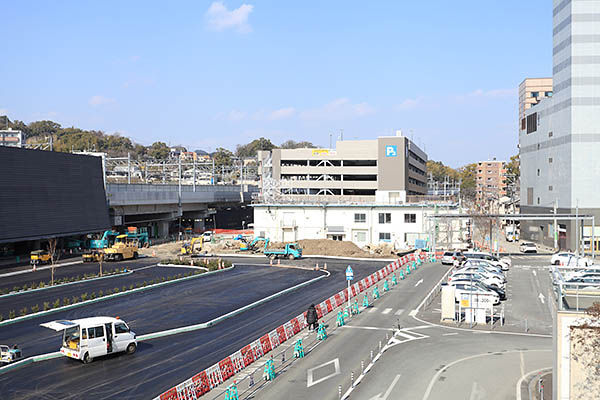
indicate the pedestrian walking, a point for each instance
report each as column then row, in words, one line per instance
column 311, row 318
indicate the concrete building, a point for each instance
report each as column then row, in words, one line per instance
column 400, row 225
column 386, row 169
column 559, row 140
column 490, row 181
column 531, row 91
column 11, row 138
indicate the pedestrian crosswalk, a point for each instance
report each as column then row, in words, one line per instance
column 384, row 311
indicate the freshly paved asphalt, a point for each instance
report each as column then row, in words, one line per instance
column 162, row 363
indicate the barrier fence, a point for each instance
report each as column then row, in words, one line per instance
column 204, row 381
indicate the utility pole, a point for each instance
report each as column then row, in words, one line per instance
column 341, row 135
column 577, row 244
column 555, row 226
column 128, row 168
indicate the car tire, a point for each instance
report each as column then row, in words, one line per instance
column 291, row 257
column 135, row 255
column 131, row 348
column 87, row 358
column 556, row 262
column 119, row 257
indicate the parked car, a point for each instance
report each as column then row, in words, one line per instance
column 528, row 247
column 483, row 271
column 450, row 256
column 207, row 236
column 569, row 259
column 500, row 292
column 504, row 262
column 470, row 275
column 485, row 264
column 473, row 290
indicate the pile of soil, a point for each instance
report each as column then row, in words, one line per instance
column 328, row 247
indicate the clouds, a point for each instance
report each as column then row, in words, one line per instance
column 99, row 100
column 219, row 18
column 282, row 113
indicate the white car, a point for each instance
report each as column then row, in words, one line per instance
column 569, row 259
column 480, row 269
column 450, row 256
column 528, row 247
column 485, row 264
column 207, row 236
column 490, row 281
column 474, row 290
column 503, row 262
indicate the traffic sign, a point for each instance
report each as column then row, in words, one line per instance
column 349, row 273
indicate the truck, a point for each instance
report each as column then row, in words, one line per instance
column 107, row 240
column 291, row 251
column 124, row 248
column 511, row 233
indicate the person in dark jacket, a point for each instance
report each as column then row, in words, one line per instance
column 311, row 318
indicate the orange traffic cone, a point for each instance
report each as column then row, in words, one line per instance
column 325, row 266
column 278, row 262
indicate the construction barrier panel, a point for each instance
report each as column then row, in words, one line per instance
column 206, row 380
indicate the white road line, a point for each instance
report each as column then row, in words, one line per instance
column 386, row 311
column 533, row 272
column 399, row 312
column 310, row 382
column 419, row 282
column 372, row 328
column 450, row 334
column 520, row 382
column 541, row 296
column 522, row 363
column 372, row 309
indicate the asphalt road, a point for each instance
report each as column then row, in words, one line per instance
column 161, row 363
column 425, row 361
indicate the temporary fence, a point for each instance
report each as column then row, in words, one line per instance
column 204, row 381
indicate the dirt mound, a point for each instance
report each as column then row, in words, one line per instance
column 328, row 247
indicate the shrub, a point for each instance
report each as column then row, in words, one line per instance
column 169, row 277
column 93, row 295
column 163, row 279
column 124, row 288
column 145, row 284
column 33, row 286
column 15, row 289
column 66, row 301
column 35, row 308
column 179, row 276
column 100, row 293
column 78, row 278
column 46, row 306
column 57, row 303
column 108, row 292
column 11, row 314
column 23, row 311
column 138, row 285
column 84, row 296
column 116, row 290
column 42, row 284
column 25, row 287
column 1, row 317
column 75, row 300
column 130, row 287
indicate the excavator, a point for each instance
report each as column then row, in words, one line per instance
column 253, row 245
column 191, row 247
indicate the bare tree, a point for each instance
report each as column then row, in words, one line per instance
column 54, row 256
column 585, row 351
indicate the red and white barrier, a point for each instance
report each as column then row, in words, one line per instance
column 206, row 380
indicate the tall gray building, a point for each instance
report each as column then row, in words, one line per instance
column 560, row 139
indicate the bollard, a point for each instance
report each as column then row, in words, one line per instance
column 340, row 391
column 153, row 253
column 191, row 262
column 271, row 262
column 394, row 280
column 325, row 266
column 376, row 292
column 401, row 274
column 362, row 366
column 387, row 337
column 346, row 312
column 371, row 355
column 321, row 332
column 351, row 378
column 366, row 301
column 340, row 319
column 380, row 345
column 355, row 310
column 526, row 328
column 386, row 286
column 299, row 349
column 278, row 261
column 283, row 357
column 251, row 381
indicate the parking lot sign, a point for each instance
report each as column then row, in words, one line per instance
column 391, row 150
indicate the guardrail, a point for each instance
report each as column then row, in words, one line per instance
column 210, row 378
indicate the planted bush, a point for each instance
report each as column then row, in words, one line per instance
column 84, row 296
column 124, row 288
column 131, row 287
column 46, row 306
column 100, row 293
column 57, row 303
column 11, row 314
column 35, row 308
column 75, row 300
column 66, row 301
column 93, row 295
column 23, row 311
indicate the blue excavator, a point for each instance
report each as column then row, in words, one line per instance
column 251, row 246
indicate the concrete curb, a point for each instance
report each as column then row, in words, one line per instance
column 112, row 296
column 182, row 266
column 65, row 284
column 29, row 360
column 307, row 256
column 233, row 313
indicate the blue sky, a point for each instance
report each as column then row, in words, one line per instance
column 214, row 74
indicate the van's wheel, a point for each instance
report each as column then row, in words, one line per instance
column 291, row 256
column 135, row 255
column 119, row 257
column 87, row 359
column 556, row 262
column 131, row 348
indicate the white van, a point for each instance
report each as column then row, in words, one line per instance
column 87, row 338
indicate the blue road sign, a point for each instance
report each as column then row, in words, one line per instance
column 349, row 273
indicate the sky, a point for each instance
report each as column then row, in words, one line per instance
column 207, row 74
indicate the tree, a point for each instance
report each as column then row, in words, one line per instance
column 250, row 149
column 468, row 177
column 585, row 351
column 54, row 256
column 291, row 144
column 222, row 157
column 513, row 167
column 159, row 151
column 439, row 171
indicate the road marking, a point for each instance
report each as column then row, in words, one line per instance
column 541, row 296
column 477, row 392
column 419, row 282
column 533, row 272
column 386, row 311
column 373, row 328
column 146, row 267
column 450, row 334
column 520, row 382
column 372, row 309
column 387, row 392
column 413, row 313
column 310, row 382
column 522, row 363
column 399, row 312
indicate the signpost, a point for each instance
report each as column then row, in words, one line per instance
column 349, row 277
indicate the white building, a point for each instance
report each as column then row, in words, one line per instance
column 400, row 225
column 559, row 140
column 11, row 138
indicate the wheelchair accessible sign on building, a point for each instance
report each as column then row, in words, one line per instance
column 391, row 150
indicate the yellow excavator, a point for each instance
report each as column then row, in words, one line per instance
column 191, row 247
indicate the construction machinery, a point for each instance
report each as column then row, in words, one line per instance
column 291, row 251
column 38, row 257
column 10, row 354
column 253, row 245
column 107, row 240
column 93, row 255
column 124, row 248
column 141, row 234
column 193, row 246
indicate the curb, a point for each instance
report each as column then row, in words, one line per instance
column 30, row 360
column 65, row 284
column 182, row 266
column 112, row 296
column 307, row 256
column 233, row 313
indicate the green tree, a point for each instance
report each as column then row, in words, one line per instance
column 250, row 149
column 159, row 151
column 291, row 144
column 513, row 167
column 468, row 177
column 222, row 157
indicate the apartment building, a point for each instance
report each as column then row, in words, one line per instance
column 490, row 180
column 531, row 92
column 559, row 138
column 386, row 169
